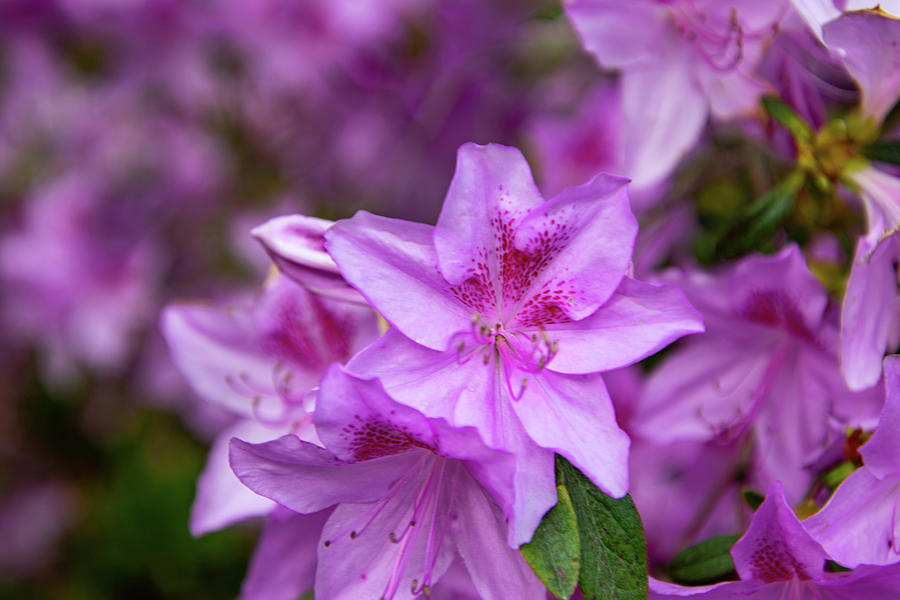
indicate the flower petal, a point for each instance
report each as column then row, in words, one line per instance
column 619, row 34
column 221, row 498
column 881, row 454
column 394, row 265
column 283, row 565
column 492, row 189
column 859, row 524
column 583, row 239
column 296, row 244
column 466, row 394
column 361, row 564
column 497, row 571
column 572, row 415
column 214, row 349
column 307, row 478
column 638, row 320
column 869, row 306
column 869, row 45
column 776, row 547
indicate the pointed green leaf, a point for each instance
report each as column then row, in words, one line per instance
column 554, row 552
column 752, row 498
column 884, row 151
column 613, row 547
column 762, row 217
column 707, row 562
column 779, row 110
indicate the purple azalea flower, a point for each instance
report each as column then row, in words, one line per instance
column 680, row 60
column 859, row 525
column 777, row 558
column 259, row 362
column 767, row 365
column 505, row 312
column 410, row 494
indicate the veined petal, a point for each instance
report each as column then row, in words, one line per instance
column 860, row 525
column 296, row 244
column 307, row 478
column 702, row 391
column 880, row 193
column 466, row 392
column 497, row 571
column 221, row 498
column 491, row 191
column 583, row 240
column 350, row 418
column 869, row 43
column 881, row 454
column 283, row 565
column 362, row 564
column 869, row 306
column 394, row 265
column 638, row 320
column 572, row 415
column 776, row 547
column 665, row 110
column 215, row 351
column 619, row 34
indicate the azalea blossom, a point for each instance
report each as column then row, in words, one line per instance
column 680, row 61
column 527, row 300
column 410, row 494
column 766, row 370
column 258, row 361
column 777, row 558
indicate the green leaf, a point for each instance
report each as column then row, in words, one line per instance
column 884, row 151
column 752, row 498
column 707, row 562
column 761, row 218
column 554, row 552
column 613, row 547
column 779, row 110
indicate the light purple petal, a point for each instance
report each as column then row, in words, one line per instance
column 702, row 390
column 869, row 44
column 498, row 571
column 665, row 111
column 585, row 237
column 466, row 394
column 296, row 244
column 215, row 351
column 283, row 565
column 816, row 13
column 776, row 547
column 881, row 454
column 221, row 498
column 869, row 306
column 619, row 34
column 393, row 263
column 307, row 478
column 492, row 188
column 572, row 415
column 638, row 320
column 357, row 420
column 859, row 525
column 360, row 557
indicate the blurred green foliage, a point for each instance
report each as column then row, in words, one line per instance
column 133, row 478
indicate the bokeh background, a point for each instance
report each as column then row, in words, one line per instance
column 140, row 141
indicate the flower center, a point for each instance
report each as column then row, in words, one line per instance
column 528, row 352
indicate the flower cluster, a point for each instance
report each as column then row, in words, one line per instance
column 648, row 354
column 406, row 391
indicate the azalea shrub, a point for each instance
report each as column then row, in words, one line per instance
column 593, row 299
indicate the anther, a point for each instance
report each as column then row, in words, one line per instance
column 353, row 535
column 327, row 543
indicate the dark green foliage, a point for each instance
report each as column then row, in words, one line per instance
column 707, row 562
